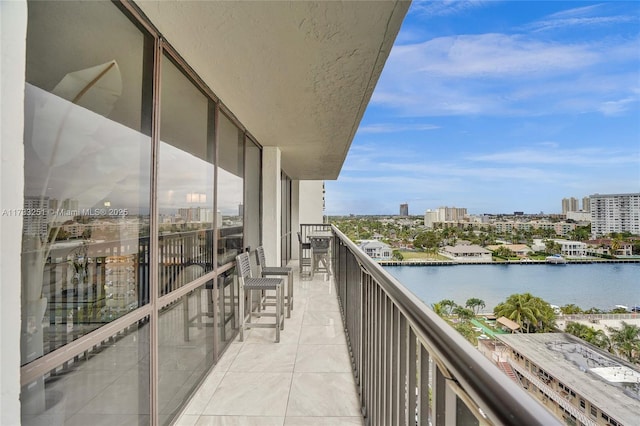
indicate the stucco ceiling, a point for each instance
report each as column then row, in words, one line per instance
column 298, row 75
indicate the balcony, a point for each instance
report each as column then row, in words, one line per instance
column 359, row 349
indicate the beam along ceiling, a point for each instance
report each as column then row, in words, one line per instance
column 298, row 75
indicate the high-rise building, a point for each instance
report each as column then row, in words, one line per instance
column 36, row 217
column 431, row 217
column 615, row 213
column 404, row 209
column 569, row 205
column 586, row 204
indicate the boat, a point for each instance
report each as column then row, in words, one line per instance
column 556, row 259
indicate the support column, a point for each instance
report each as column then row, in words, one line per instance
column 271, row 204
column 13, row 33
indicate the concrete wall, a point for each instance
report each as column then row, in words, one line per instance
column 13, row 31
column 311, row 201
column 271, row 204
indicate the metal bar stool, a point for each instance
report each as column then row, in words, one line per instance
column 277, row 271
column 249, row 284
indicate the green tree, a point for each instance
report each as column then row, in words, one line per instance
column 439, row 309
column 530, row 312
column 475, row 304
column 570, row 309
column 467, row 332
column 448, row 305
column 626, row 340
column 463, row 313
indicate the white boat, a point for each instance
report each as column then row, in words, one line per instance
column 556, row 259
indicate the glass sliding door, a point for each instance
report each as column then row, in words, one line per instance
column 230, row 190
column 185, row 242
column 185, row 181
column 253, row 168
column 135, row 180
column 87, row 160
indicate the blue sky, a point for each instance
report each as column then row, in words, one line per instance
column 499, row 106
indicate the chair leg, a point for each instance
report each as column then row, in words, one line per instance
column 241, row 313
column 278, row 301
column 290, row 285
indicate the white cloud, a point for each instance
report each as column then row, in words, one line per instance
column 586, row 157
column 395, row 127
column 587, row 16
column 499, row 74
column 447, row 7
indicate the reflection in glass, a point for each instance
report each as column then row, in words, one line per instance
column 185, row 181
column 185, row 348
column 230, row 190
column 252, row 185
column 87, row 181
column 227, row 306
column 107, row 385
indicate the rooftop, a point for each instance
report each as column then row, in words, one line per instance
column 606, row 381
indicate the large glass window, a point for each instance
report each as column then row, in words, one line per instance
column 230, row 190
column 87, row 163
column 185, row 348
column 252, row 194
column 185, row 181
column 109, row 386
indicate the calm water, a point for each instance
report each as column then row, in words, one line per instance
column 586, row 285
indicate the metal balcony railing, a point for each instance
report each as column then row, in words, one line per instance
column 410, row 366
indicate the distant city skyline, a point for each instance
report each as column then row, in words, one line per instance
column 499, row 107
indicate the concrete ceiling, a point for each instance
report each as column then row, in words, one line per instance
column 298, row 75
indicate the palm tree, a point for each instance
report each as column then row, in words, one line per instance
column 449, row 305
column 475, row 304
column 439, row 309
column 463, row 313
column 626, row 340
column 519, row 308
column 529, row 311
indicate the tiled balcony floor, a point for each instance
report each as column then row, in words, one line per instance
column 306, row 379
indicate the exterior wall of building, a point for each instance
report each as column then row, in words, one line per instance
column 271, row 204
column 431, row 217
column 615, row 213
column 13, row 27
column 311, row 199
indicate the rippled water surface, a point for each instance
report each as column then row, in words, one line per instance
column 586, row 285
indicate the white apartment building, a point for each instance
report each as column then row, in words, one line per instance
column 615, row 213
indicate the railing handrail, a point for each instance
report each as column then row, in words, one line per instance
column 500, row 398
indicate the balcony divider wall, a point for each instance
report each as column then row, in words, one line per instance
column 135, row 183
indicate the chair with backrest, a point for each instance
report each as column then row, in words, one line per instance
column 277, row 271
column 248, row 285
column 320, row 255
column 304, row 258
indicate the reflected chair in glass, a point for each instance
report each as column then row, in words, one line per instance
column 304, row 259
column 248, row 284
column 320, row 255
column 276, row 271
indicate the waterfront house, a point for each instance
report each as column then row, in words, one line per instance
column 467, row 253
column 376, row 249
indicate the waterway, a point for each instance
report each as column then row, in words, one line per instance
column 586, row 285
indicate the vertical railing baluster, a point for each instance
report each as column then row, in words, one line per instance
column 424, row 388
column 412, row 377
column 401, row 369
